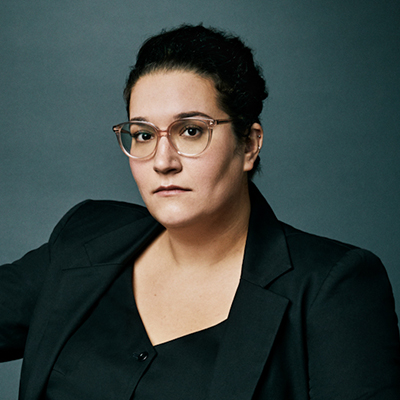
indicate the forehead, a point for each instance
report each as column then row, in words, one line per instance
column 164, row 94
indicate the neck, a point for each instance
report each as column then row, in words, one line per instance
column 213, row 240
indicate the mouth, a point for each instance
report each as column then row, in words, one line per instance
column 170, row 190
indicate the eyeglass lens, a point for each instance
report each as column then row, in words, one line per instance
column 189, row 137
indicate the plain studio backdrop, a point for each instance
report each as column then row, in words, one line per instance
column 330, row 161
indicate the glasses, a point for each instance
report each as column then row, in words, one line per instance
column 188, row 136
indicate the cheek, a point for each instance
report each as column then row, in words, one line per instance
column 132, row 166
column 137, row 173
column 228, row 162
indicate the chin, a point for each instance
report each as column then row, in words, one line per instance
column 175, row 223
column 172, row 217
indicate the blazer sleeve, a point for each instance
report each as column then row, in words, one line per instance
column 20, row 285
column 352, row 333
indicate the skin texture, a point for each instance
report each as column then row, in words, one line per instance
column 214, row 183
column 186, row 279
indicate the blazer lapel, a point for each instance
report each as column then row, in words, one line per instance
column 253, row 324
column 256, row 312
column 81, row 284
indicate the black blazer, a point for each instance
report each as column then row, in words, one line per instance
column 312, row 318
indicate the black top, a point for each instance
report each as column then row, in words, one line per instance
column 312, row 318
column 106, row 341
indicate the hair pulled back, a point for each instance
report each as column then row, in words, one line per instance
column 213, row 54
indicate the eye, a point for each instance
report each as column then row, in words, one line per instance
column 142, row 136
column 192, row 131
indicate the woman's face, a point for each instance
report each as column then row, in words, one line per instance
column 179, row 190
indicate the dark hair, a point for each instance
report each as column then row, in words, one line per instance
column 213, row 54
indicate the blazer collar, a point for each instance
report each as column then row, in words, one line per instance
column 266, row 244
column 266, row 255
column 256, row 313
column 125, row 243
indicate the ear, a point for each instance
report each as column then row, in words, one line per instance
column 253, row 146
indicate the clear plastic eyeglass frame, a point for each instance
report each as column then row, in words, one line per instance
column 208, row 122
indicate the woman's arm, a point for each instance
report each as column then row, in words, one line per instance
column 20, row 283
column 353, row 337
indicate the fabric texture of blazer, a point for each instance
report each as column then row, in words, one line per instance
column 312, row 318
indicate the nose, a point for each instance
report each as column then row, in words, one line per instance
column 166, row 159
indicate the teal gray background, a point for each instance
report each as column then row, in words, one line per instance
column 331, row 156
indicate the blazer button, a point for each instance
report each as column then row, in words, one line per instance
column 141, row 356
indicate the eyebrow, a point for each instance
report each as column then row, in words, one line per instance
column 178, row 116
column 192, row 114
column 139, row 119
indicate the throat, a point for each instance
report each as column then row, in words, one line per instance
column 174, row 300
column 205, row 250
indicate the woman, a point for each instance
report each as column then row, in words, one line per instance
column 204, row 295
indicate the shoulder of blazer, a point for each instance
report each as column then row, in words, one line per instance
column 312, row 249
column 93, row 218
column 315, row 259
column 277, row 252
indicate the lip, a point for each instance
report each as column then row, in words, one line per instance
column 170, row 190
